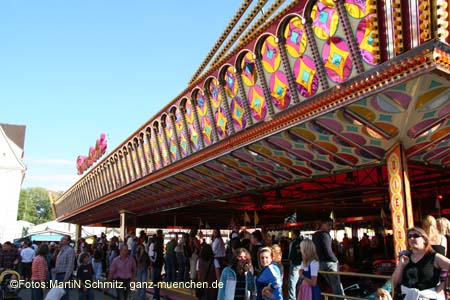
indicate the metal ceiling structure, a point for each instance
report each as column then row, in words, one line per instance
column 299, row 117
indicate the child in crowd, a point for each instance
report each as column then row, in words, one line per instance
column 85, row 274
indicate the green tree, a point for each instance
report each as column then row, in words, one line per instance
column 34, row 206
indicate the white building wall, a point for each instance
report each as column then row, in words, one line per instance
column 12, row 172
column 10, row 184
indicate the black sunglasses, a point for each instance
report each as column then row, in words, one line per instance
column 414, row 235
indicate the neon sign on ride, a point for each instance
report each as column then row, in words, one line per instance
column 85, row 162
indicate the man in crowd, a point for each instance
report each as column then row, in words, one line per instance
column 65, row 263
column 26, row 254
column 328, row 260
column 157, row 258
column 194, row 249
column 123, row 269
column 10, row 257
column 295, row 259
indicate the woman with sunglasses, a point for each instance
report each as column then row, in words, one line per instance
column 418, row 271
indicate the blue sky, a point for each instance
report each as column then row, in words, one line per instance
column 70, row 70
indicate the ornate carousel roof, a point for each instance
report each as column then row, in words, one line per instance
column 299, row 117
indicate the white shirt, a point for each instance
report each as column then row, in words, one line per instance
column 27, row 254
column 314, row 265
column 218, row 247
column 130, row 243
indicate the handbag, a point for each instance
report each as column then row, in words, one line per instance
column 200, row 292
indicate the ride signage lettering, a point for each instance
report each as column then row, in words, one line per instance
column 85, row 162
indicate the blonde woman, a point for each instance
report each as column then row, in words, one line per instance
column 309, row 269
column 269, row 281
column 443, row 225
column 277, row 257
column 382, row 294
column 437, row 241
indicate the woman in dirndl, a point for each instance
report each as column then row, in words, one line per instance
column 309, row 269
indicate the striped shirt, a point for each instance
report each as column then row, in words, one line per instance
column 39, row 269
column 65, row 262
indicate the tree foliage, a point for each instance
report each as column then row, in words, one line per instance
column 34, row 206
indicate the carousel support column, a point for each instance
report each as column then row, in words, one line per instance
column 127, row 224
column 400, row 194
column 77, row 238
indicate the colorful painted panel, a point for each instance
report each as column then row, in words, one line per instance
column 134, row 158
column 260, row 163
column 365, row 37
column 220, row 118
column 325, row 19
column 214, row 91
column 238, row 113
column 154, row 148
column 205, row 120
column 221, row 122
column 364, row 30
column 296, row 38
column 140, row 152
column 270, row 55
column 190, row 120
column 227, row 180
column 129, row 164
column 258, row 105
column 249, row 74
column 231, row 84
column 279, row 90
column 231, row 88
column 337, row 59
column 162, row 146
column 232, row 172
column 148, row 155
column 206, row 189
column 248, row 168
column 209, row 181
column 181, row 133
column 171, row 138
column 306, row 76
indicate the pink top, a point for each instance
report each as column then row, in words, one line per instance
column 122, row 268
column 39, row 269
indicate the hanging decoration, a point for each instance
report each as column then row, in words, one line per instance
column 85, row 162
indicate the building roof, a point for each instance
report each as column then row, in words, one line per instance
column 15, row 133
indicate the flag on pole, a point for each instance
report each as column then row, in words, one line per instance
column 232, row 223
column 382, row 214
column 332, row 215
column 256, row 218
column 291, row 219
column 246, row 218
column 438, row 203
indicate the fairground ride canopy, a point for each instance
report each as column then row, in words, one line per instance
column 298, row 117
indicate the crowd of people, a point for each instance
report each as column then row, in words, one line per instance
column 244, row 265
